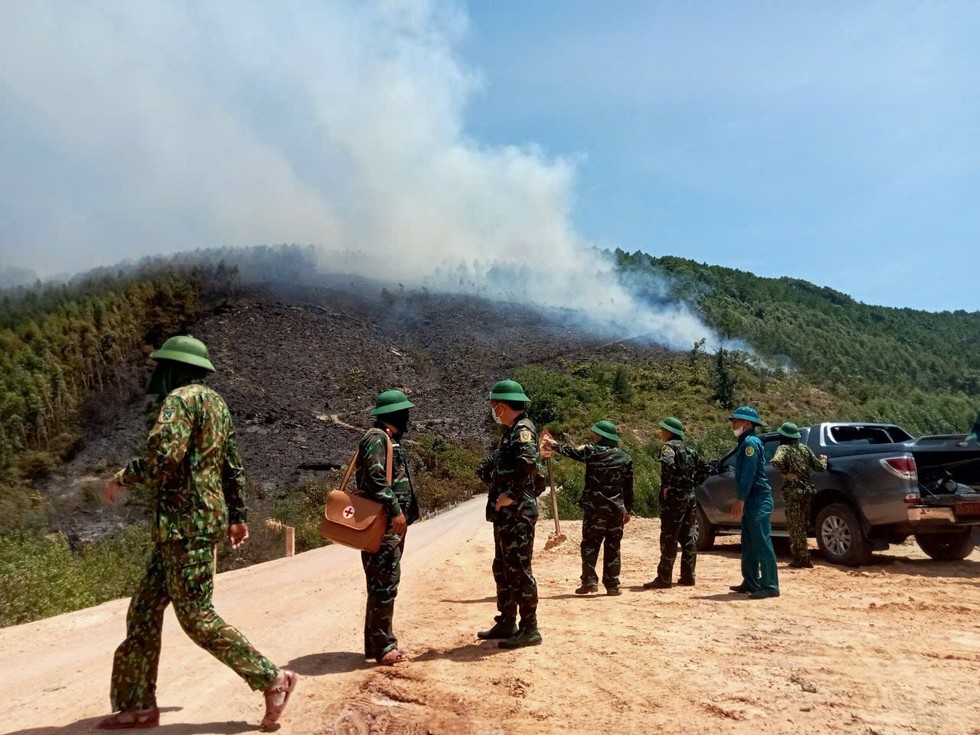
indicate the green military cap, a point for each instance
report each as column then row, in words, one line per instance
column 606, row 429
column 185, row 349
column 391, row 401
column 789, row 430
column 508, row 390
column 672, row 425
column 746, row 413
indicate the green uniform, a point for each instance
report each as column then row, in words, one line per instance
column 382, row 569
column 606, row 499
column 681, row 471
column 511, row 470
column 758, row 557
column 795, row 461
column 192, row 461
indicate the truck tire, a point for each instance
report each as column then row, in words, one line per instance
column 840, row 536
column 946, row 546
column 706, row 534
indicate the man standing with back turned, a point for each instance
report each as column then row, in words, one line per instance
column 607, row 502
column 191, row 461
column 753, row 507
column 512, row 507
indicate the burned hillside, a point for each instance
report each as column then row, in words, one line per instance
column 300, row 367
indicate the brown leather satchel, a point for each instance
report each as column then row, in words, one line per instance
column 352, row 520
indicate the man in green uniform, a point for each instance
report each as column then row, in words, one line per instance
column 795, row 461
column 607, row 502
column 512, row 506
column 191, row 461
column 382, row 569
column 753, row 507
column 681, row 471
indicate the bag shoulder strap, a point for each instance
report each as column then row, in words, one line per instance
column 390, row 450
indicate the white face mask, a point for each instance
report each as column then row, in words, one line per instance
column 496, row 418
column 736, row 431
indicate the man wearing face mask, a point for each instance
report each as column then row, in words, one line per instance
column 382, row 569
column 512, row 506
column 192, row 464
column 753, row 507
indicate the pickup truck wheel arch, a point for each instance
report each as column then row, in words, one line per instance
column 946, row 546
column 706, row 532
column 841, row 537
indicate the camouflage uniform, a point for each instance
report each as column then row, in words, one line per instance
column 511, row 470
column 681, row 471
column 382, row 569
column 606, row 499
column 798, row 460
column 192, row 459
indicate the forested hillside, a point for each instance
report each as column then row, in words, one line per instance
column 918, row 368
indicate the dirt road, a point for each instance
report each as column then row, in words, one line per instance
column 887, row 649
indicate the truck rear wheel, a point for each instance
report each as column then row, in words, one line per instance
column 706, row 534
column 946, row 546
column 840, row 536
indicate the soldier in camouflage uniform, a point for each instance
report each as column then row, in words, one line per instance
column 795, row 461
column 382, row 569
column 512, row 506
column 607, row 502
column 681, row 471
column 192, row 462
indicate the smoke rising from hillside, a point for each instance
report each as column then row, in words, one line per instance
column 138, row 128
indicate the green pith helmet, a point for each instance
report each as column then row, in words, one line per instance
column 746, row 413
column 789, row 430
column 607, row 429
column 508, row 390
column 391, row 401
column 674, row 426
column 185, row 349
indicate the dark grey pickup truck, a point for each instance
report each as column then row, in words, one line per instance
column 882, row 486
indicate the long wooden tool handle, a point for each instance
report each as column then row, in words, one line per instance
column 554, row 497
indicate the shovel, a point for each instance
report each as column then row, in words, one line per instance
column 557, row 538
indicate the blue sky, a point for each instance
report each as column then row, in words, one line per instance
column 836, row 142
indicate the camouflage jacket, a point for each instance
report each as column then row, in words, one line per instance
column 681, row 469
column 192, row 459
column 799, row 460
column 372, row 481
column 608, row 476
column 512, row 470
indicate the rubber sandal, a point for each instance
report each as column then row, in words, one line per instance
column 276, row 699
column 394, row 656
column 140, row 719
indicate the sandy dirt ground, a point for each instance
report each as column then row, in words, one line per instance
column 889, row 648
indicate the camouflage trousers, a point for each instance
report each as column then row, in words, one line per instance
column 678, row 523
column 382, row 572
column 517, row 590
column 180, row 572
column 601, row 529
column 797, row 519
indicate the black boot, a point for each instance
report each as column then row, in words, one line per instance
column 587, row 589
column 657, row 584
column 523, row 637
column 501, row 630
column 686, row 581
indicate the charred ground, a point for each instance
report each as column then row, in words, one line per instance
column 300, row 367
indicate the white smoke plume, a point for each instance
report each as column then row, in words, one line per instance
column 138, row 128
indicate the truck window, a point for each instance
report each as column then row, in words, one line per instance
column 867, row 435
